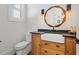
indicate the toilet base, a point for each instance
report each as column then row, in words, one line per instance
column 24, row 51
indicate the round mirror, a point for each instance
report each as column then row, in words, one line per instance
column 55, row 16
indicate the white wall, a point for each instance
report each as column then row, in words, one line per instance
column 10, row 32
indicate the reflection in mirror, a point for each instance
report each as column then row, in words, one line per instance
column 54, row 16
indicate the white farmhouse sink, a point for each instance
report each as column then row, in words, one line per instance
column 53, row 37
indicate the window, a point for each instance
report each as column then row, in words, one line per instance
column 16, row 12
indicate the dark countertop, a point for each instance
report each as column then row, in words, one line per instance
column 36, row 32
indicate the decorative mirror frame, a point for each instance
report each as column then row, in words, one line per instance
column 64, row 19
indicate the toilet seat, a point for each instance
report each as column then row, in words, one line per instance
column 21, row 45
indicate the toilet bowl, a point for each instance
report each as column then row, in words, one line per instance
column 23, row 48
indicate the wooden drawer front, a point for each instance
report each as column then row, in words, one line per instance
column 53, row 45
column 46, row 51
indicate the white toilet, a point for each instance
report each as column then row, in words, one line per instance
column 23, row 48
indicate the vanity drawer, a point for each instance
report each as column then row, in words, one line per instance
column 46, row 51
column 53, row 45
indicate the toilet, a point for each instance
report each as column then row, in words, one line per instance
column 23, row 48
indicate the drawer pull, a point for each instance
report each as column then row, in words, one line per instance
column 67, row 51
column 45, row 43
column 45, row 51
column 57, row 46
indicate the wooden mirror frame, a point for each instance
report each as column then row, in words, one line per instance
column 64, row 19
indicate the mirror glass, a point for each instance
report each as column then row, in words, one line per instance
column 54, row 16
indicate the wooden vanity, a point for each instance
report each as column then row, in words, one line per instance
column 44, row 47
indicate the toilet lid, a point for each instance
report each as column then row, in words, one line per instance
column 23, row 43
